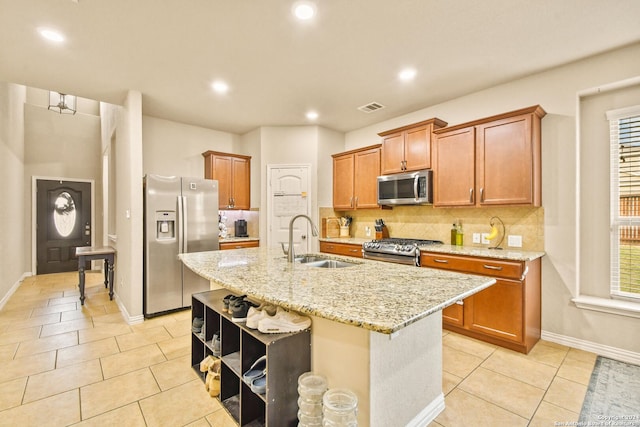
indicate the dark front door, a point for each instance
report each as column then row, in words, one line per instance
column 63, row 224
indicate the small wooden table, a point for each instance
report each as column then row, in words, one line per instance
column 89, row 253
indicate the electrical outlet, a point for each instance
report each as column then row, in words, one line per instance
column 476, row 237
column 514, row 241
column 484, row 239
column 367, row 231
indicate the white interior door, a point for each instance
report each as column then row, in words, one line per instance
column 288, row 196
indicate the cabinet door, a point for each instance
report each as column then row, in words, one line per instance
column 393, row 154
column 505, row 161
column 454, row 314
column 241, row 187
column 343, row 173
column 497, row 310
column 454, row 171
column 220, row 169
column 417, row 148
column 366, row 170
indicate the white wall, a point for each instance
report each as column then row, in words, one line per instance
column 555, row 91
column 175, row 149
column 13, row 216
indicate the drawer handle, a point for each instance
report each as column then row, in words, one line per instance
column 441, row 261
column 492, row 267
column 353, row 250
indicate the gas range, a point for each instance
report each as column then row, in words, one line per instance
column 398, row 250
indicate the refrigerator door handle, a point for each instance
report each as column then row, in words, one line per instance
column 184, row 225
column 180, row 225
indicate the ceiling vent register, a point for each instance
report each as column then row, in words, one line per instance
column 371, row 107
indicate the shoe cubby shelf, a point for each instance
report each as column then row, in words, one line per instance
column 288, row 356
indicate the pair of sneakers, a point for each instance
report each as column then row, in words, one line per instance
column 238, row 307
column 282, row 322
column 255, row 314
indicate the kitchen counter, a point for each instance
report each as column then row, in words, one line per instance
column 237, row 239
column 505, row 254
column 373, row 331
column 383, row 297
column 348, row 240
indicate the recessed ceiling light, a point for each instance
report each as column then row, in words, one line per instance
column 51, row 35
column 312, row 115
column 304, row 10
column 407, row 74
column 220, row 86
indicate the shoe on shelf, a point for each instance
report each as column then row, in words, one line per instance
column 255, row 314
column 282, row 322
column 216, row 345
column 239, row 310
column 259, row 385
column 257, row 370
column 196, row 325
column 228, row 301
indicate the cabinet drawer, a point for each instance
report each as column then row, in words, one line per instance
column 482, row 266
column 239, row 245
column 341, row 249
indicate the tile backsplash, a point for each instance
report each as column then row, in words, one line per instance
column 251, row 216
column 427, row 222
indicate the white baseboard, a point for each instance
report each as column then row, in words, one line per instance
column 14, row 288
column 131, row 320
column 428, row 414
column 600, row 349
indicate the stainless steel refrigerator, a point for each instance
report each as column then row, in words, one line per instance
column 181, row 215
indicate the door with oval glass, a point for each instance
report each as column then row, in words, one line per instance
column 63, row 213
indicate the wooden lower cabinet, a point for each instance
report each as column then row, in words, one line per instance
column 347, row 249
column 506, row 313
column 287, row 357
column 239, row 245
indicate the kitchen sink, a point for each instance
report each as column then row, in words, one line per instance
column 331, row 263
column 305, row 259
column 322, row 262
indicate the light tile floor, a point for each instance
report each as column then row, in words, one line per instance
column 67, row 364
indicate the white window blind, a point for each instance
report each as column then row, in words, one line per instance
column 625, row 202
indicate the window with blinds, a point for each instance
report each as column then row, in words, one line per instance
column 625, row 201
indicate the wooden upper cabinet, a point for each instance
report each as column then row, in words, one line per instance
column 233, row 172
column 492, row 161
column 454, row 168
column 408, row 148
column 355, row 178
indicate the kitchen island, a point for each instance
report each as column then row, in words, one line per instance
column 373, row 330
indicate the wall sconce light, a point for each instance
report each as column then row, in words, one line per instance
column 494, row 231
column 62, row 103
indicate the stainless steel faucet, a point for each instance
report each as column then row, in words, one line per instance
column 290, row 255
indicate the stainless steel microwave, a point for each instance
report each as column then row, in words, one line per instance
column 414, row 188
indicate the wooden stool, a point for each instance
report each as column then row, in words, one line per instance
column 89, row 253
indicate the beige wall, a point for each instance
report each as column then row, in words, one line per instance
column 13, row 213
column 555, row 90
column 175, row 149
column 61, row 146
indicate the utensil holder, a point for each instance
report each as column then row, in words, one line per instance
column 344, row 231
column 383, row 234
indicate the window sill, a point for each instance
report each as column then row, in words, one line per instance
column 605, row 305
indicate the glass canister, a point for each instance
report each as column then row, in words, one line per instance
column 340, row 408
column 311, row 388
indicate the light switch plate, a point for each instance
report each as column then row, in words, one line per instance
column 514, row 241
column 476, row 237
column 484, row 239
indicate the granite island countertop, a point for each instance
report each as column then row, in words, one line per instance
column 383, row 297
column 505, row 254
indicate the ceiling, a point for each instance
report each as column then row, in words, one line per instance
column 278, row 68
